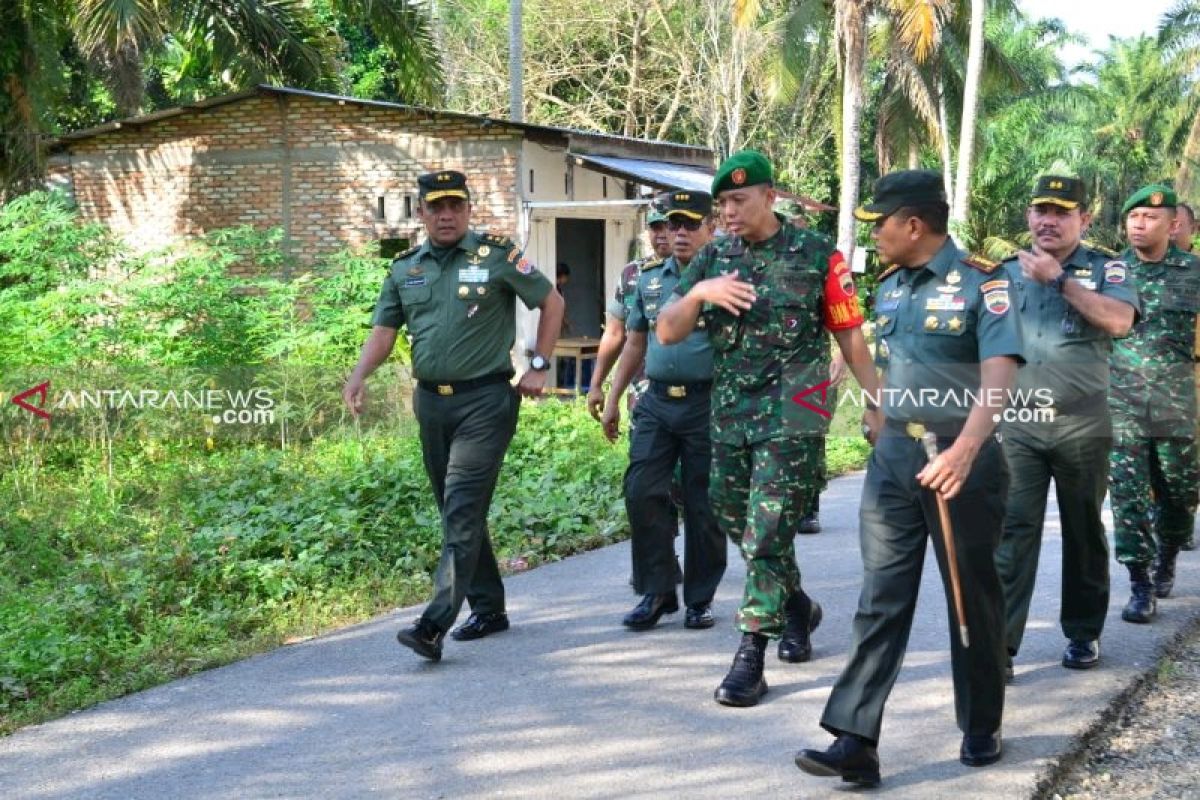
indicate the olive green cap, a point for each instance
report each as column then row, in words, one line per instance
column 1156, row 195
column 743, row 168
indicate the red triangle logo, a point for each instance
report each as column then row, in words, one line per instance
column 821, row 387
column 40, row 390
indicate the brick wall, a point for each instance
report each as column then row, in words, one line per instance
column 315, row 167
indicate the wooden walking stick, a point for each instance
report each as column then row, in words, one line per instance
column 929, row 439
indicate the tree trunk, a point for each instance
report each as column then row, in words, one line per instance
column 516, row 44
column 944, row 130
column 914, row 153
column 852, row 30
column 1187, row 177
column 966, row 141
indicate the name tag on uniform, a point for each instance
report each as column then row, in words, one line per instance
column 418, row 281
column 1087, row 283
column 473, row 275
column 945, row 303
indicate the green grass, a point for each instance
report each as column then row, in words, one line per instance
column 162, row 558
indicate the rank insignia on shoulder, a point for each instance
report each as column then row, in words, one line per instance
column 1101, row 249
column 410, row 251
column 984, row 265
column 651, row 263
column 888, row 271
column 495, row 239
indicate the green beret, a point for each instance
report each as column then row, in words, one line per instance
column 1059, row 190
column 694, row 205
column 1156, row 195
column 445, row 183
column 907, row 187
column 743, row 168
column 655, row 216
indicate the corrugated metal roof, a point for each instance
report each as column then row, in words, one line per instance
column 659, row 174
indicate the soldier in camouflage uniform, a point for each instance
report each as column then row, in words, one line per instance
column 767, row 293
column 613, row 338
column 1153, row 471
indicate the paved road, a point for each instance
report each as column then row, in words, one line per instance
column 569, row 704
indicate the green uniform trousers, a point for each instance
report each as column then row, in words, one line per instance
column 759, row 492
column 463, row 440
column 897, row 519
column 1073, row 450
column 1153, row 478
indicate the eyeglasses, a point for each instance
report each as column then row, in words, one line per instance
column 691, row 225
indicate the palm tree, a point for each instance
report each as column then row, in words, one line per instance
column 1179, row 35
column 966, row 141
column 850, row 24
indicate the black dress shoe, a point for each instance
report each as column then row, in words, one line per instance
column 850, row 757
column 478, row 626
column 423, row 638
column 980, row 750
column 1008, row 670
column 647, row 613
column 699, row 616
column 1081, row 654
column 1190, row 544
column 810, row 523
column 795, row 646
column 744, row 685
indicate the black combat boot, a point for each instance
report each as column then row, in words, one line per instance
column 1141, row 606
column 1164, row 570
column 803, row 617
column 744, row 684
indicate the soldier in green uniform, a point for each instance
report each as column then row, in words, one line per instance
column 950, row 346
column 1152, row 470
column 767, row 293
column 612, row 341
column 1071, row 307
column 456, row 295
column 670, row 429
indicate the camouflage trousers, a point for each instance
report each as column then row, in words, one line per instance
column 1152, row 485
column 758, row 493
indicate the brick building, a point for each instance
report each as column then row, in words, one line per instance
column 337, row 171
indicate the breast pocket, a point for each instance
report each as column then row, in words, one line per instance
column 418, row 308
column 793, row 315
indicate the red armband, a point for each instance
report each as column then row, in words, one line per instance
column 841, row 300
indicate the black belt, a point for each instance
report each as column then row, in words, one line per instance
column 916, row 429
column 678, row 391
column 448, row 388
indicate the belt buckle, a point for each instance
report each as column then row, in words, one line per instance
column 915, row 429
column 677, row 391
column 445, row 389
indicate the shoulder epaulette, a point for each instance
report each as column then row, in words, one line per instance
column 496, row 239
column 888, row 271
column 404, row 255
column 1101, row 249
column 651, row 263
column 984, row 265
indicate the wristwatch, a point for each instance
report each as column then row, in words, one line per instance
column 1057, row 283
column 539, row 362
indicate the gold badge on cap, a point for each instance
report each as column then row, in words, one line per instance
column 738, row 176
column 1156, row 199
